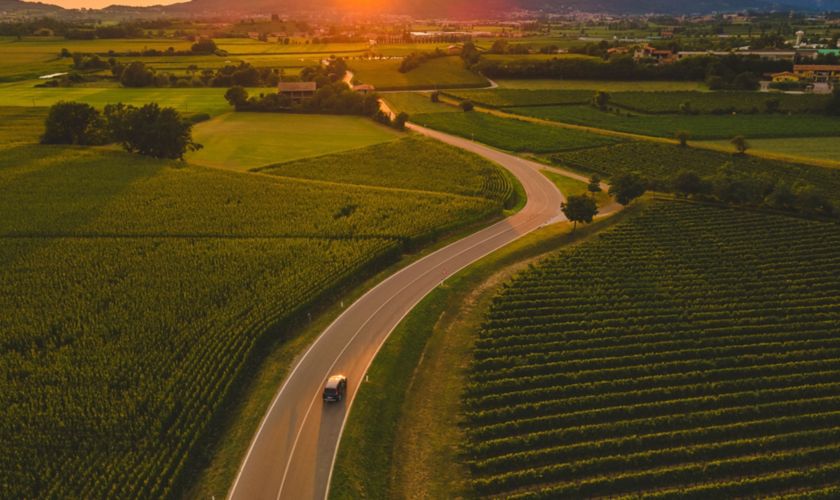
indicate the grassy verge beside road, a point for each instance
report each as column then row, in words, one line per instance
column 404, row 422
column 243, row 415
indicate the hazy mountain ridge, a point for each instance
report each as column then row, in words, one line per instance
column 443, row 8
column 19, row 6
column 461, row 8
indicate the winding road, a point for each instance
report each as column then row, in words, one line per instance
column 292, row 454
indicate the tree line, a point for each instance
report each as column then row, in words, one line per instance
column 730, row 72
column 148, row 130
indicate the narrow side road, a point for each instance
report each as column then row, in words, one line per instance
column 292, row 454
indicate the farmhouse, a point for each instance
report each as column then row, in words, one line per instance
column 650, row 52
column 297, row 91
column 820, row 73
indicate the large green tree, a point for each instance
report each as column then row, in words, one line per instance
column 579, row 208
column 626, row 188
column 137, row 74
column 152, row 131
column 74, row 123
column 236, row 96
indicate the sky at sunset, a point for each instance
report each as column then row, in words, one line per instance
column 98, row 4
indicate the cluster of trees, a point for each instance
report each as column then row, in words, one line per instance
column 333, row 71
column 471, row 55
column 415, row 59
column 202, row 46
column 582, row 208
column 334, row 98
column 148, row 130
column 727, row 188
column 730, row 72
column 503, row 47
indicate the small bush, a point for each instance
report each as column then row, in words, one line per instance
column 198, row 118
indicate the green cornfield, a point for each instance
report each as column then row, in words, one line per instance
column 135, row 292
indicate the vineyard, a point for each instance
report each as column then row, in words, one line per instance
column 676, row 102
column 511, row 134
column 502, row 98
column 134, row 292
column 698, row 126
column 663, row 162
column 690, row 351
column 718, row 102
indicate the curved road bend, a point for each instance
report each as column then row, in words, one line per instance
column 292, row 454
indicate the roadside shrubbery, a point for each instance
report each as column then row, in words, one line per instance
column 148, row 130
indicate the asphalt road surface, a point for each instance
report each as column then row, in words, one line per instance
column 292, row 454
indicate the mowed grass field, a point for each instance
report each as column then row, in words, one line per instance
column 35, row 56
column 664, row 359
column 661, row 102
column 440, row 72
column 806, row 148
column 415, row 103
column 718, row 102
column 698, row 126
column 511, row 134
column 501, row 98
column 134, row 293
column 243, row 141
column 188, row 100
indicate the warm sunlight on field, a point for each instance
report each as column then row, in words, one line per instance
column 297, row 249
column 364, row 6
